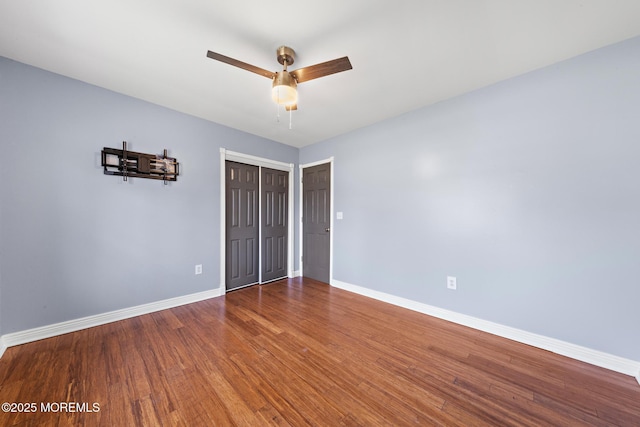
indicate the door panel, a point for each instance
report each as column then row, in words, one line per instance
column 274, row 223
column 241, row 225
column 316, row 220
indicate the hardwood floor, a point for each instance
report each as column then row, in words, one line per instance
column 303, row 353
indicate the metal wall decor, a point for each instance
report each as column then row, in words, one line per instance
column 126, row 164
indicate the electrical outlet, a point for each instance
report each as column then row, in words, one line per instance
column 199, row 269
column 451, row 283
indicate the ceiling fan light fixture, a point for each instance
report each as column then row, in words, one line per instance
column 284, row 83
column 284, row 89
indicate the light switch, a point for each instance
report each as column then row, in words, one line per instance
column 339, row 215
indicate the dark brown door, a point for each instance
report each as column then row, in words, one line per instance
column 274, row 223
column 316, row 220
column 241, row 225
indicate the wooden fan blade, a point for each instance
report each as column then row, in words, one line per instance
column 240, row 64
column 322, row 69
column 291, row 107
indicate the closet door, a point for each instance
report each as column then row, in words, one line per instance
column 242, row 226
column 274, row 226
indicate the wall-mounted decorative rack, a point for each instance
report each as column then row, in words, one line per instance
column 126, row 164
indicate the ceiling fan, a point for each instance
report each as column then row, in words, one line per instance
column 284, row 87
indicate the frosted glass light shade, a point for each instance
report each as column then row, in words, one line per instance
column 284, row 90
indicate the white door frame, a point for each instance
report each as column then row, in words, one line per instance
column 256, row 161
column 301, row 211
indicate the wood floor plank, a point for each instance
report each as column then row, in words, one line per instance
column 298, row 352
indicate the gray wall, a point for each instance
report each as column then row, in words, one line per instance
column 75, row 242
column 527, row 191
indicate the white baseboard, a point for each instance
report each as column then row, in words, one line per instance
column 593, row 357
column 296, row 273
column 48, row 331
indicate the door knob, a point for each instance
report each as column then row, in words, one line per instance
column 326, row 229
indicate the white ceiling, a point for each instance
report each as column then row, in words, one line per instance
column 405, row 54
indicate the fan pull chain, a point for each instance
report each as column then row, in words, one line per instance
column 290, row 116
